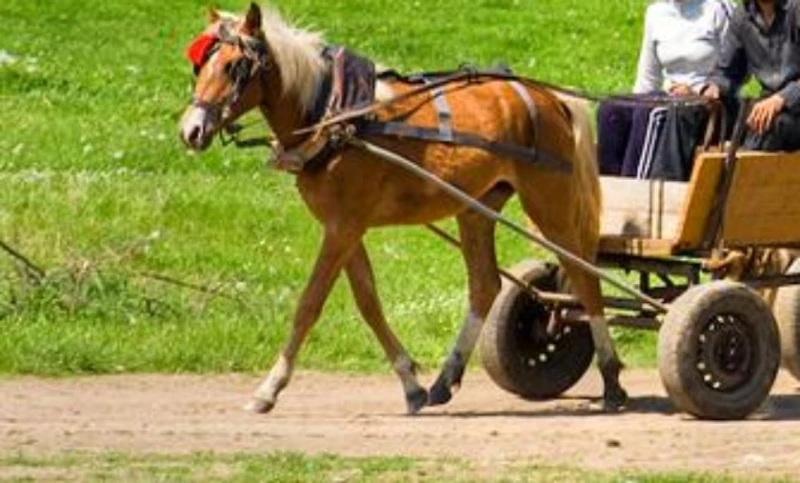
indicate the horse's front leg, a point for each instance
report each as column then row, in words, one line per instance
column 483, row 278
column 337, row 247
column 362, row 281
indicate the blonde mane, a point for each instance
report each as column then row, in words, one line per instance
column 297, row 54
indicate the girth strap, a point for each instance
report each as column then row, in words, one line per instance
column 515, row 151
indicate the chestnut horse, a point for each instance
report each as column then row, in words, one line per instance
column 262, row 62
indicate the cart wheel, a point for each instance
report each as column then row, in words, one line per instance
column 516, row 350
column 718, row 351
column 787, row 313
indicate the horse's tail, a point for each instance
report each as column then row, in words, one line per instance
column 586, row 172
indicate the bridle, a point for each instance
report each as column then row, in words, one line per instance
column 255, row 62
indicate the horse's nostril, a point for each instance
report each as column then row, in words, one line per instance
column 195, row 129
column 194, row 135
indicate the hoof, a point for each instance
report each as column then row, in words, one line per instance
column 439, row 394
column 416, row 400
column 259, row 406
column 615, row 400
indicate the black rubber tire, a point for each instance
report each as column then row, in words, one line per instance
column 516, row 351
column 700, row 377
column 787, row 314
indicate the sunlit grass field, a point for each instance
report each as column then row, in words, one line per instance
column 97, row 190
column 292, row 467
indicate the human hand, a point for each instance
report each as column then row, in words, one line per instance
column 711, row 91
column 763, row 113
column 680, row 90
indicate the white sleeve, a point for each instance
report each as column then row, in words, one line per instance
column 649, row 75
column 722, row 18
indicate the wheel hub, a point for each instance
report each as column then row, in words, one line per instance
column 535, row 343
column 725, row 353
column 543, row 348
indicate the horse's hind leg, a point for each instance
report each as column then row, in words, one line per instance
column 587, row 288
column 483, row 278
column 362, row 281
column 558, row 225
column 337, row 247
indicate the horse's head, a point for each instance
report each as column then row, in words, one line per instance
column 229, row 59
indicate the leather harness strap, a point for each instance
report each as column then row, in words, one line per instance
column 525, row 95
column 445, row 133
column 443, row 113
column 459, row 138
column 315, row 151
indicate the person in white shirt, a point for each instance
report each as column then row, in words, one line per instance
column 680, row 46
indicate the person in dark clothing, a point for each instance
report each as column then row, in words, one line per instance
column 763, row 41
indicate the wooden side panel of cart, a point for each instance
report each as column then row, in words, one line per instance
column 663, row 218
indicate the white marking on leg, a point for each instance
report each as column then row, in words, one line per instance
column 457, row 359
column 601, row 336
column 405, row 369
column 468, row 335
column 277, row 380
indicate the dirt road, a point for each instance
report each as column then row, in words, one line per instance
column 356, row 416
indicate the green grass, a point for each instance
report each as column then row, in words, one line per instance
column 97, row 189
column 292, row 467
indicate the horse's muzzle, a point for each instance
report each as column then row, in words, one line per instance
column 197, row 130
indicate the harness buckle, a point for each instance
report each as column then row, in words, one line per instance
column 340, row 134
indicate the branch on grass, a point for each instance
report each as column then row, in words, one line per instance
column 205, row 289
column 130, row 249
column 69, row 282
column 32, row 270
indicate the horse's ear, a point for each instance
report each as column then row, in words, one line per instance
column 253, row 20
column 213, row 14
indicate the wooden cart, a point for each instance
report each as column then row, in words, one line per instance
column 720, row 342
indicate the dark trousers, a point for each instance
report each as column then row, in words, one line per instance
column 683, row 133
column 662, row 138
column 621, row 132
column 784, row 135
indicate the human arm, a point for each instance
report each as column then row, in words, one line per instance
column 791, row 93
column 731, row 70
column 649, row 71
column 763, row 113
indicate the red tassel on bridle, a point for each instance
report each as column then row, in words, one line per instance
column 198, row 50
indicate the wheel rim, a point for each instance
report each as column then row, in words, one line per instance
column 726, row 353
column 538, row 349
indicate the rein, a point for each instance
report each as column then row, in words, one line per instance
column 465, row 74
column 231, row 132
column 332, row 130
column 471, row 75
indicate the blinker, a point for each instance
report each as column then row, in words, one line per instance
column 199, row 49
